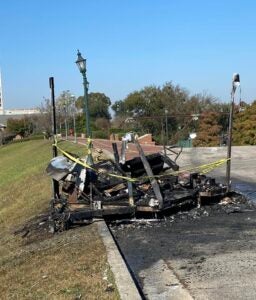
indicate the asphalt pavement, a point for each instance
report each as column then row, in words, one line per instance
column 211, row 256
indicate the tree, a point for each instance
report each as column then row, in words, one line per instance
column 44, row 120
column 98, row 104
column 102, row 124
column 148, row 105
column 244, row 126
column 208, row 131
column 151, row 106
column 22, row 126
column 119, row 108
column 65, row 110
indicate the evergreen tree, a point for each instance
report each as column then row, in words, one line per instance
column 208, row 131
column 244, row 126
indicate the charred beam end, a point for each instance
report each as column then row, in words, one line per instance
column 123, row 150
column 130, row 192
column 149, row 172
column 116, row 154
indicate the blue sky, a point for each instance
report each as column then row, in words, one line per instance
column 128, row 45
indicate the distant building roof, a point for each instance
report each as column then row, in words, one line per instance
column 19, row 111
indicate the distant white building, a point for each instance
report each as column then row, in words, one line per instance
column 10, row 112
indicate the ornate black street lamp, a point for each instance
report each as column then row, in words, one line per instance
column 81, row 64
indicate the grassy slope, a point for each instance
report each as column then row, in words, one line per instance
column 68, row 265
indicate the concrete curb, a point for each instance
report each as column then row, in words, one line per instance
column 124, row 282
column 161, row 282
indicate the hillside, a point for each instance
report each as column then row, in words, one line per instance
column 68, row 265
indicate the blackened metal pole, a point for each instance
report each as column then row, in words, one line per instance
column 116, row 154
column 54, row 128
column 166, row 129
column 163, row 136
column 230, row 128
column 55, row 184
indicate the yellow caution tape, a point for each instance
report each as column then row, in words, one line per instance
column 202, row 169
column 84, row 164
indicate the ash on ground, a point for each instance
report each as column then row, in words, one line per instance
column 38, row 228
column 35, row 229
column 234, row 203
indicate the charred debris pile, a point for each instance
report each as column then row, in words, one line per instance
column 147, row 185
column 232, row 204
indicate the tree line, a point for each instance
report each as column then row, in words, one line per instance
column 169, row 112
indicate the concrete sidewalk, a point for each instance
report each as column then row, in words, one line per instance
column 243, row 161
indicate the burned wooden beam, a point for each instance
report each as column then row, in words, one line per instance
column 130, row 193
column 149, row 172
column 123, row 150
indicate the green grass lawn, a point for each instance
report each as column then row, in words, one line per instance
column 68, row 265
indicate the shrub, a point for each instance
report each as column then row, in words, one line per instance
column 99, row 134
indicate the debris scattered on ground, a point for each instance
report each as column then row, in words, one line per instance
column 128, row 190
column 39, row 227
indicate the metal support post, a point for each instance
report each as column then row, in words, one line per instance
column 55, row 184
column 230, row 128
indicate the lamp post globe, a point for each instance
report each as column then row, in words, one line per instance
column 81, row 64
